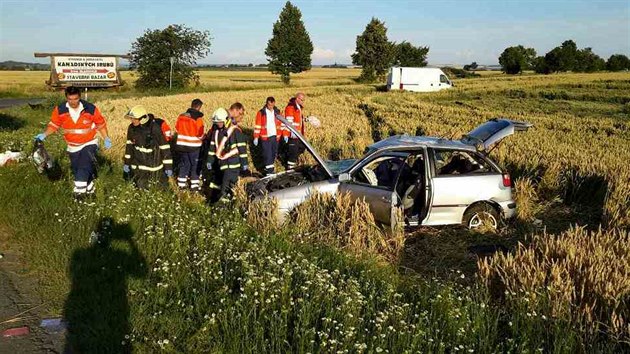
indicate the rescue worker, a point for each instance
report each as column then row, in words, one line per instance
column 164, row 127
column 147, row 154
column 232, row 153
column 190, row 133
column 268, row 129
column 79, row 121
column 293, row 114
column 214, row 175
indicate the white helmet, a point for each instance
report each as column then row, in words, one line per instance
column 219, row 116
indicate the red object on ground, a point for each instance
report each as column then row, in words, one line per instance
column 16, row 332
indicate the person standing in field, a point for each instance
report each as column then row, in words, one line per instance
column 232, row 153
column 147, row 154
column 164, row 127
column 214, row 175
column 190, row 132
column 79, row 121
column 293, row 114
column 267, row 131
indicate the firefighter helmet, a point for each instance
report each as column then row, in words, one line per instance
column 219, row 116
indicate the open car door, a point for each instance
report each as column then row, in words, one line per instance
column 486, row 135
column 374, row 181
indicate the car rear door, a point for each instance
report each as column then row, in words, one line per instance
column 455, row 186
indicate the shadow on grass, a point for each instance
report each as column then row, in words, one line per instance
column 97, row 309
column 10, row 123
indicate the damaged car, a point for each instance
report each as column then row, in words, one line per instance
column 435, row 181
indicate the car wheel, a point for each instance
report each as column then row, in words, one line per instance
column 481, row 216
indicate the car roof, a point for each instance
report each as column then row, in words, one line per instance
column 405, row 141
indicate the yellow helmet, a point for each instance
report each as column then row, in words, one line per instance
column 136, row 112
column 219, row 116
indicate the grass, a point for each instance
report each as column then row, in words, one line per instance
column 173, row 274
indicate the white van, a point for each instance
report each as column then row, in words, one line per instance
column 417, row 79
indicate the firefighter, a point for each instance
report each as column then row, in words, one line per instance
column 232, row 153
column 147, row 154
column 268, row 129
column 214, row 175
column 293, row 114
column 190, row 132
column 79, row 121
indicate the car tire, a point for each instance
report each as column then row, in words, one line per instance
column 481, row 215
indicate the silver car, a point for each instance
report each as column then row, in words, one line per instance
column 434, row 181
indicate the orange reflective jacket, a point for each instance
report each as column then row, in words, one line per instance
column 189, row 128
column 293, row 113
column 83, row 130
column 260, row 126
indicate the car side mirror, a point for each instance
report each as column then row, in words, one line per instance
column 344, row 177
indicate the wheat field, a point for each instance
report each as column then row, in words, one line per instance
column 331, row 279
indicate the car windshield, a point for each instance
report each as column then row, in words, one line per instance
column 338, row 167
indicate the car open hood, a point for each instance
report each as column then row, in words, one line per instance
column 308, row 146
column 493, row 131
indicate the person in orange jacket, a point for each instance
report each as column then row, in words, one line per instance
column 190, row 133
column 79, row 121
column 267, row 131
column 293, row 114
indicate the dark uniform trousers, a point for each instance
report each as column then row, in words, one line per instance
column 83, row 168
column 294, row 149
column 269, row 153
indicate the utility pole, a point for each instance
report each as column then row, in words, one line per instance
column 170, row 78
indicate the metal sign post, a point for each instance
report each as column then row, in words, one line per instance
column 170, row 78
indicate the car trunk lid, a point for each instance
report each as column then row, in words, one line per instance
column 493, row 131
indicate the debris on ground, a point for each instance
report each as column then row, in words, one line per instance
column 54, row 325
column 10, row 157
column 16, row 332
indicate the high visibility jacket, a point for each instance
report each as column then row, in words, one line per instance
column 147, row 149
column 166, row 129
column 234, row 139
column 189, row 128
column 293, row 114
column 260, row 125
column 80, row 132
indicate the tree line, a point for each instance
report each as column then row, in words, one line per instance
column 170, row 54
column 288, row 51
column 563, row 58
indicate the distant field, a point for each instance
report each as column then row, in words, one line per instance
column 33, row 82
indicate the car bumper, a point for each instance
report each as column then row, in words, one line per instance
column 508, row 209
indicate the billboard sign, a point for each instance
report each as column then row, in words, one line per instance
column 85, row 69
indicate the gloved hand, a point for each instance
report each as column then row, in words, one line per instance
column 286, row 139
column 244, row 167
column 256, row 142
column 209, row 166
column 40, row 137
column 107, row 143
column 126, row 169
column 169, row 173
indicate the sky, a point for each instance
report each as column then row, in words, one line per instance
column 457, row 32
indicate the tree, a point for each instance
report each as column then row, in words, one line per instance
column 373, row 52
column 618, row 62
column 409, row 55
column 514, row 60
column 587, row 61
column 471, row 66
column 540, row 66
column 289, row 49
column 151, row 53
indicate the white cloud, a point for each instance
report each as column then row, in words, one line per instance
column 323, row 54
